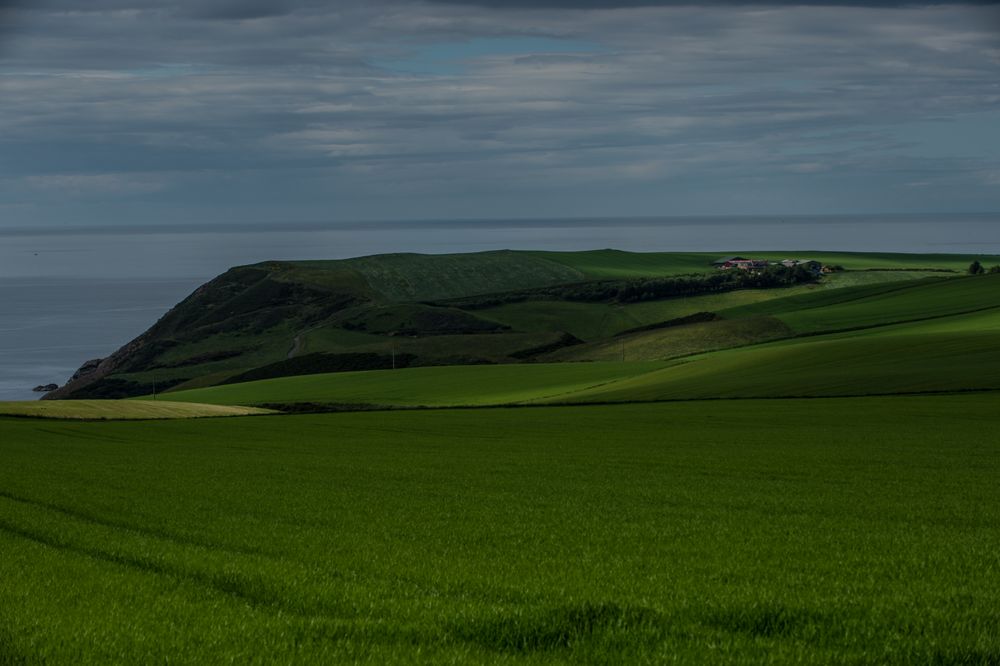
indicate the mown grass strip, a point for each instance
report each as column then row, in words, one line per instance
column 122, row 410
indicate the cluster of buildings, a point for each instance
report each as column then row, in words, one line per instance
column 748, row 264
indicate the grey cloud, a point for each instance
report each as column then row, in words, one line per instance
column 624, row 4
column 289, row 108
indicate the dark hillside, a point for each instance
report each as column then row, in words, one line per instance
column 292, row 317
column 242, row 308
column 422, row 277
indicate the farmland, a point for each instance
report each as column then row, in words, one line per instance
column 909, row 337
column 803, row 473
column 282, row 318
column 798, row 531
column 121, row 410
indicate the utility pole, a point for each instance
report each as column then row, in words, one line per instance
column 393, row 355
column 154, row 387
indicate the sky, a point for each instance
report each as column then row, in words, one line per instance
column 138, row 112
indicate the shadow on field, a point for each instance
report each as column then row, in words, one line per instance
column 970, row 657
column 768, row 621
column 566, row 627
column 9, row 655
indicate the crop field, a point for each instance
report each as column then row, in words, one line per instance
column 917, row 302
column 596, row 321
column 462, row 385
column 801, row 473
column 804, row 367
column 121, row 409
column 908, row 337
column 678, row 341
column 875, row 365
column 605, row 264
column 780, row 531
column 505, row 307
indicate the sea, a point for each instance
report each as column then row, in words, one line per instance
column 74, row 293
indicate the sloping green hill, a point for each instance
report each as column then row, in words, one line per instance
column 854, row 366
column 913, row 337
column 436, row 386
column 863, row 365
column 675, row 341
column 499, row 307
column 912, row 303
column 422, row 277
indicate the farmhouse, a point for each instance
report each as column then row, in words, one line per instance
column 718, row 263
column 744, row 264
column 808, row 264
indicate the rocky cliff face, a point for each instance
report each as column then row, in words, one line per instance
column 246, row 302
column 97, row 369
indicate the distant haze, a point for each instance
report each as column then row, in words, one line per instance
column 200, row 252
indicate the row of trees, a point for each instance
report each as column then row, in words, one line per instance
column 647, row 289
column 976, row 268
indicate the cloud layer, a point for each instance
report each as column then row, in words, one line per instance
column 128, row 111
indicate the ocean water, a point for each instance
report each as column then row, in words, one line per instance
column 69, row 295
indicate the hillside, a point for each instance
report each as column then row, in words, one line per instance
column 278, row 319
column 953, row 346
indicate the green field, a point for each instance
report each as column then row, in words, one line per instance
column 736, row 476
column 806, row 532
column 806, row 367
column 447, row 386
column 908, row 337
column 601, row 264
column 494, row 307
column 876, row 365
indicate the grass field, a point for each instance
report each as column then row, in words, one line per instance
column 474, row 308
column 417, row 277
column 707, row 500
column 875, row 365
column 805, row 532
column 609, row 264
column 462, row 385
column 803, row 367
column 916, row 302
column 121, row 409
column 677, row 341
column 907, row 337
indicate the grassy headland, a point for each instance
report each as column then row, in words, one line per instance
column 704, row 525
column 284, row 318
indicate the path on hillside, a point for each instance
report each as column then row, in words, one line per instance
column 296, row 345
column 293, row 351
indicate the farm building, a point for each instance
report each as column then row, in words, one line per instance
column 744, row 264
column 718, row 263
column 808, row 264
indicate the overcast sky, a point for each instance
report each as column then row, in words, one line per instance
column 196, row 111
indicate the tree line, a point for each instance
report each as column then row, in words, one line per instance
column 976, row 268
column 635, row 290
